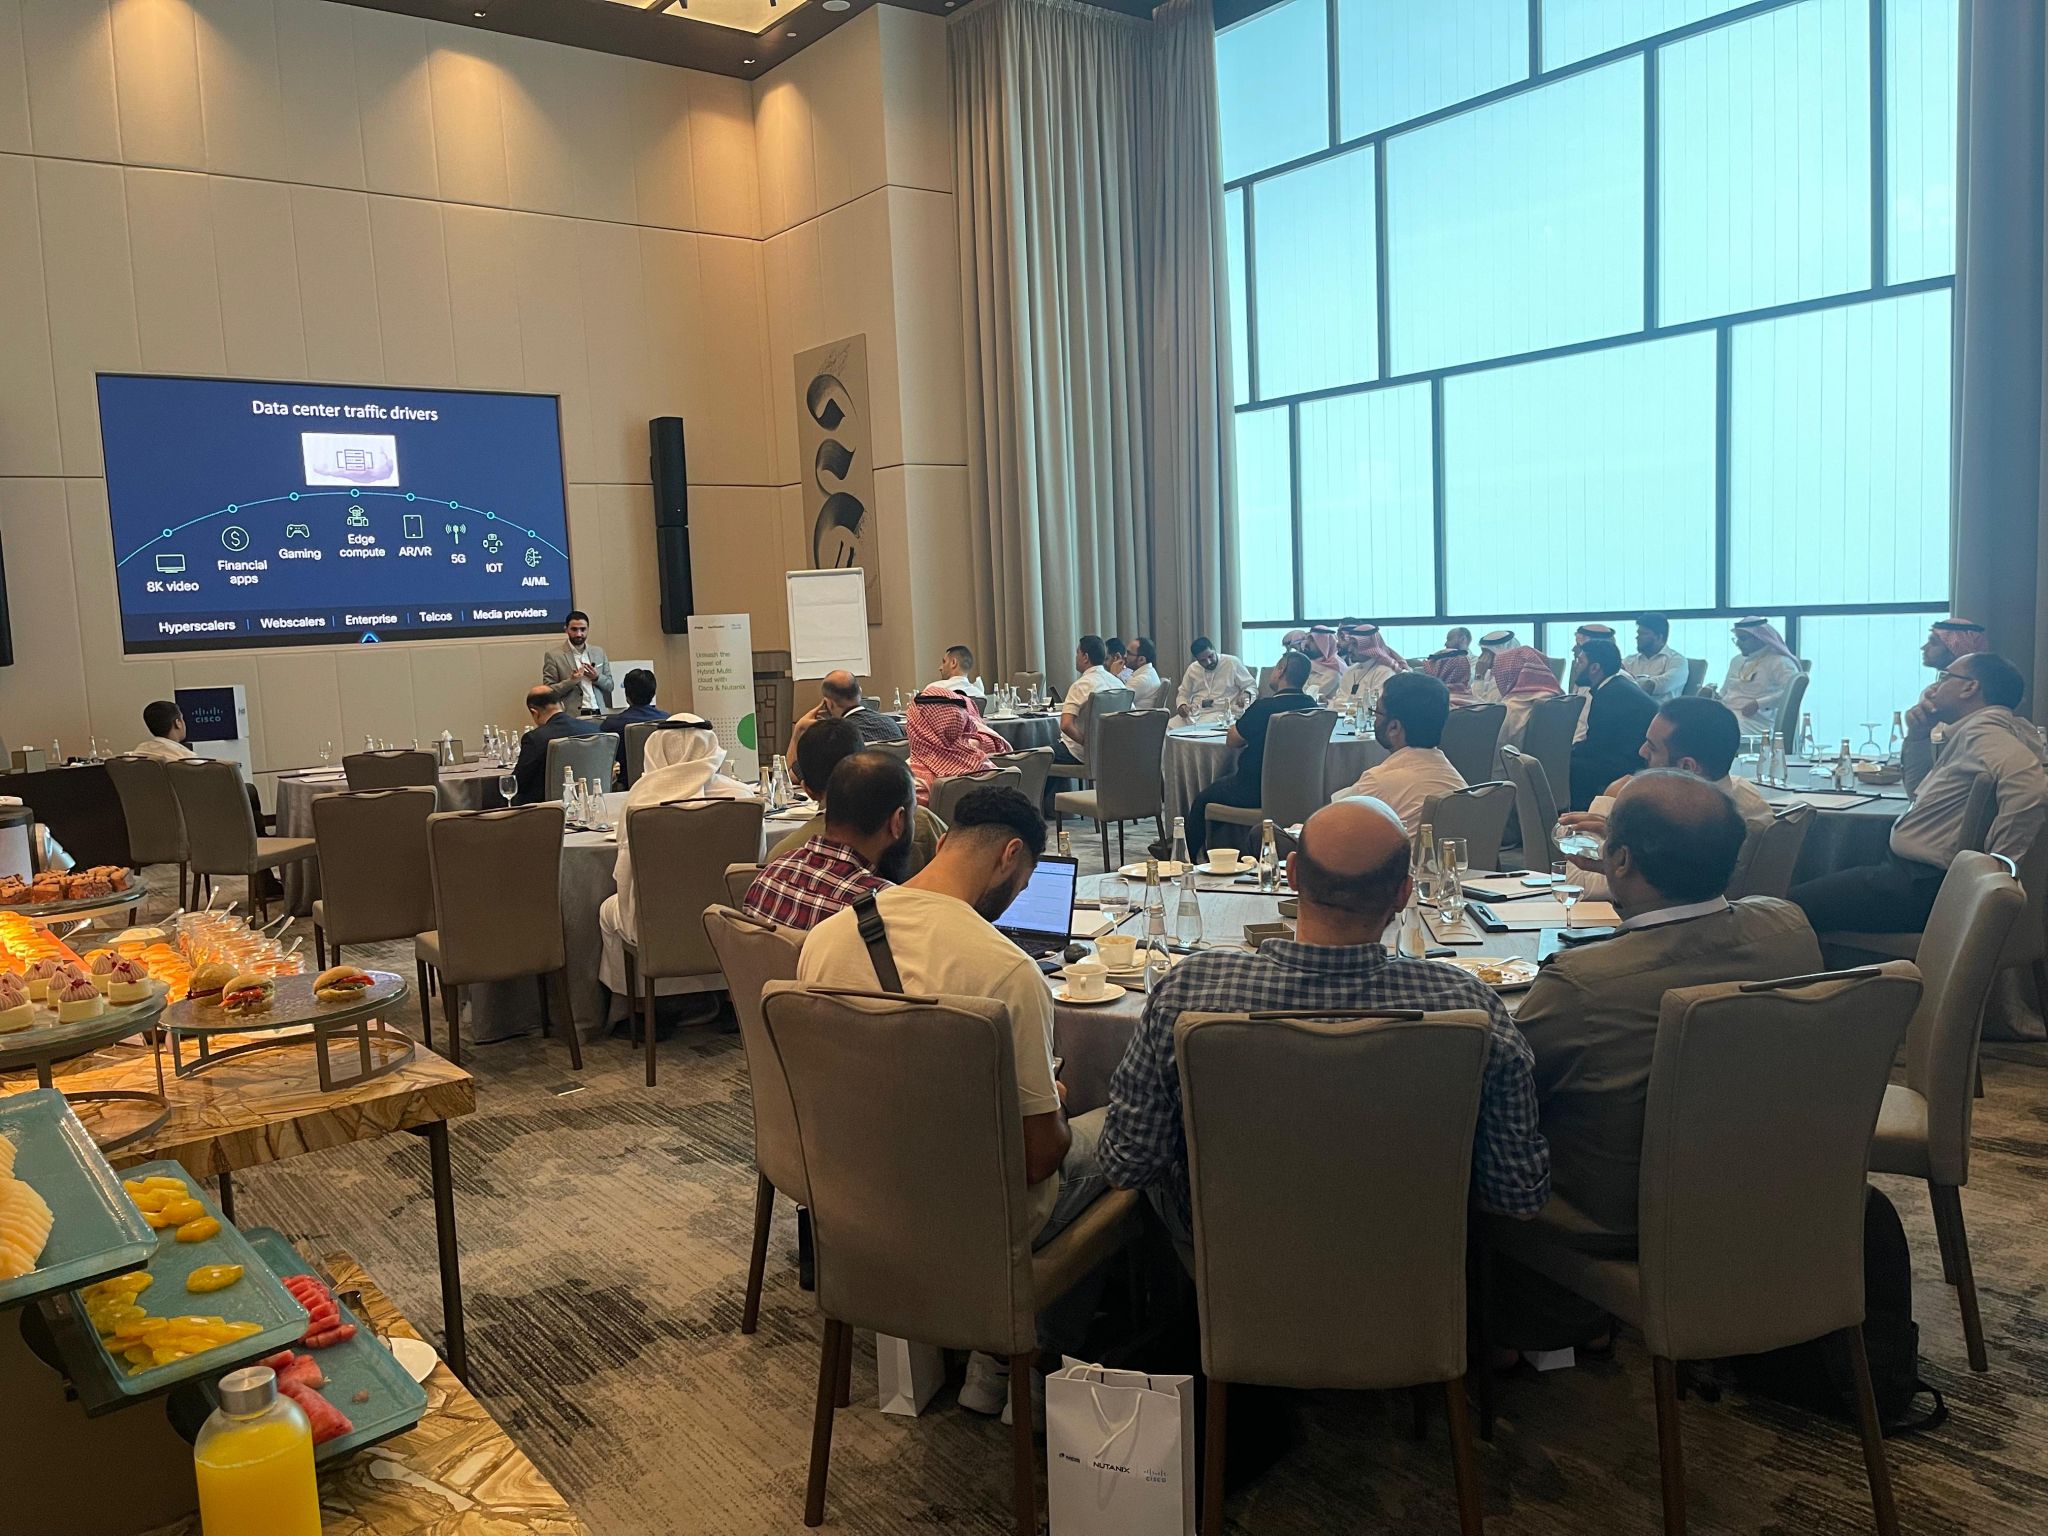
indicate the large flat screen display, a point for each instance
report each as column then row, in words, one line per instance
column 249, row 513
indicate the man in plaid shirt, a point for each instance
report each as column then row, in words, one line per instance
column 1351, row 873
column 864, row 845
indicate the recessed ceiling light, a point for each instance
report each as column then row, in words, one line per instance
column 789, row 34
column 836, row 5
column 746, row 61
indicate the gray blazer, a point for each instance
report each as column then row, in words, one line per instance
column 558, row 673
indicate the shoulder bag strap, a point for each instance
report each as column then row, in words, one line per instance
column 876, row 937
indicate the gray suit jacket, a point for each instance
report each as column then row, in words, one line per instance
column 1591, row 1019
column 557, row 672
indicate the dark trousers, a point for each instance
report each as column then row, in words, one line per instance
column 1229, row 791
column 1892, row 897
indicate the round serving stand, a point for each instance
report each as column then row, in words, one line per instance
column 48, row 1042
column 296, row 1020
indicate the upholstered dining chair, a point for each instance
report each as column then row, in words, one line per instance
column 587, row 757
column 1471, row 738
column 1695, row 674
column 1291, row 1210
column 1769, row 856
column 1762, row 1102
column 1478, row 814
column 497, row 909
column 1033, row 765
column 375, row 883
column 1291, row 778
column 751, row 953
column 1787, row 728
column 1923, row 1129
column 1128, row 784
column 1547, row 737
column 1095, row 709
column 393, row 768
column 893, row 1155
column 947, row 793
column 739, row 879
column 1025, row 682
column 636, row 749
column 1535, row 808
column 220, row 828
column 156, row 827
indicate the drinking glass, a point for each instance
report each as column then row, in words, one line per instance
column 1450, row 896
column 326, row 753
column 1113, row 895
column 508, row 785
column 1575, row 840
column 1568, row 888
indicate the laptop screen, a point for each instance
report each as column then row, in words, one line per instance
column 1044, row 909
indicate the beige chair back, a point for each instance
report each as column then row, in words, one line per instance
column 2028, row 940
column 947, row 794
column 1034, row 767
column 1756, row 1137
column 1291, row 779
column 1789, row 706
column 900, row 750
column 906, row 1110
column 1025, row 682
column 1295, row 1210
column 739, row 879
column 220, row 828
column 1129, row 749
column 752, row 953
column 588, row 757
column 636, row 748
column 156, row 827
column 1098, row 707
column 1562, row 666
column 1960, row 955
column 497, row 892
column 680, row 854
column 1471, row 738
column 1695, row 674
column 1478, row 814
column 1768, row 857
column 1535, row 807
column 1547, row 736
column 397, row 768
column 374, row 879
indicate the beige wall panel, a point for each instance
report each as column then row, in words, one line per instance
column 917, row 99
column 924, row 265
column 376, row 695
column 469, row 133
column 447, row 691
column 589, row 578
column 412, row 291
column 259, row 278
column 177, row 286
column 536, row 102
column 939, row 553
column 624, row 522
column 663, row 175
column 338, row 285
column 29, row 442
column 156, row 70
column 782, row 149
column 91, row 301
column 735, row 556
column 301, row 707
column 14, row 130
column 117, row 688
column 600, row 131
column 795, row 302
column 846, row 105
column 43, row 693
column 608, row 276
column 483, row 292
column 505, row 670
column 857, row 295
column 898, row 663
column 395, row 104
column 551, row 336
column 70, row 51
column 731, row 384
column 247, row 131
column 722, row 155
column 316, row 66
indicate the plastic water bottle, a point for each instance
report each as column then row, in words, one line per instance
column 569, row 792
column 1269, row 858
column 1158, row 959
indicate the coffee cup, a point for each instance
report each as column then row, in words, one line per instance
column 1087, row 979
column 1118, row 951
column 1224, row 860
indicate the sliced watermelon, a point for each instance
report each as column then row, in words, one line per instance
column 328, row 1421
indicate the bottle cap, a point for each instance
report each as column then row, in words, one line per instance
column 249, row 1390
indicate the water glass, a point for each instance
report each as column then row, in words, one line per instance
column 326, row 753
column 1568, row 887
column 1113, row 895
column 508, row 785
column 1450, row 897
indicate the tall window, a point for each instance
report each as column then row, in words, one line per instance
column 1546, row 310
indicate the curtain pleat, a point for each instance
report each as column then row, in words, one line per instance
column 1092, row 283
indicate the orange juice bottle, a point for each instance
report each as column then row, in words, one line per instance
column 254, row 1462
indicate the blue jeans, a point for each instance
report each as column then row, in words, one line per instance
column 1063, row 1324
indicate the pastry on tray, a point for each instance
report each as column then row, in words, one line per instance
column 76, row 999
column 41, row 972
column 127, row 981
column 16, row 1011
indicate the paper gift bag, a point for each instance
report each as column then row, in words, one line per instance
column 907, row 1374
column 1119, row 1452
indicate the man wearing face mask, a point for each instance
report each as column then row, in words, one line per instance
column 1213, row 683
column 1410, row 725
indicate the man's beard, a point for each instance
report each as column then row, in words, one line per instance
column 995, row 901
column 894, row 863
column 1211, row 664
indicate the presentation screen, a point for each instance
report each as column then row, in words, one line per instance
column 248, row 513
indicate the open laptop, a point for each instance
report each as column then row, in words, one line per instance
column 1040, row 920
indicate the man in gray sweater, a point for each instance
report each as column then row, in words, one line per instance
column 1975, row 697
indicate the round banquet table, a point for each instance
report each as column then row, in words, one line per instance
column 465, row 787
column 1023, row 732
column 1197, row 756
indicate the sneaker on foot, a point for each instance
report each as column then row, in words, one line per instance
column 1037, row 1401
column 987, row 1388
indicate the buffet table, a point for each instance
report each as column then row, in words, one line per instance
column 466, row 787
column 79, row 806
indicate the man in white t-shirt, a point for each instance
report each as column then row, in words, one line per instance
column 1090, row 656
column 1413, row 707
column 956, row 673
column 941, row 935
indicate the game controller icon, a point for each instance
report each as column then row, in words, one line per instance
column 297, row 531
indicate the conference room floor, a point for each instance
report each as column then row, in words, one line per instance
column 604, row 1231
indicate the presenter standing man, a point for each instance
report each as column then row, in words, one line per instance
column 578, row 673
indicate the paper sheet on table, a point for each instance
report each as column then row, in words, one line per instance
column 1548, row 912
column 828, row 622
column 1819, row 799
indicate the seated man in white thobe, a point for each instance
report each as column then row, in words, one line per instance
column 1324, row 664
column 1373, row 662
column 1658, row 670
column 1410, row 725
column 1758, row 676
column 1215, row 683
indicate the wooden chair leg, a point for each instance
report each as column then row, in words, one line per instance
column 1464, row 1458
column 319, row 947
column 1943, row 1241
column 1948, row 1209
column 821, row 1424
column 1215, row 1434
column 1023, row 1457
column 568, row 1019
column 1670, row 1458
column 806, row 1252
column 843, row 1388
column 547, row 1013
column 1881, row 1505
column 451, row 1010
column 335, row 951
column 426, row 1013
column 757, row 1261
column 184, row 873
column 647, row 1023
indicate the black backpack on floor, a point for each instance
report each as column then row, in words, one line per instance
column 1817, row 1375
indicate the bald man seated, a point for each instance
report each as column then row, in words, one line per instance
column 840, row 698
column 1672, row 843
column 1351, row 874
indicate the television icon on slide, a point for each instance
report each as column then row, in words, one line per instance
column 170, row 565
column 349, row 458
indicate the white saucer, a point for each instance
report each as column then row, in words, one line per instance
column 1111, row 993
column 1241, row 867
column 1168, row 870
column 415, row 1356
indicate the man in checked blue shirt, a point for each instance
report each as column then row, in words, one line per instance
column 1351, row 874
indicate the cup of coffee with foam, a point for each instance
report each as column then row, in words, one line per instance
column 1118, row 951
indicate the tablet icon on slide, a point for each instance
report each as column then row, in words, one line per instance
column 170, row 565
column 415, row 527
column 349, row 458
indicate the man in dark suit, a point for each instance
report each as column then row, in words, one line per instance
column 1618, row 716
column 1245, row 782
column 640, row 709
column 550, row 723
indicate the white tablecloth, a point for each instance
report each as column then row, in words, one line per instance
column 468, row 787
column 1197, row 757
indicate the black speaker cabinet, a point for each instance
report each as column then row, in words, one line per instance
column 668, row 469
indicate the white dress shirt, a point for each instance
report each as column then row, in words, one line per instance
column 1086, row 686
column 1407, row 781
column 971, row 686
column 1143, row 680
column 1755, row 687
column 1661, row 676
column 1205, row 694
column 162, row 748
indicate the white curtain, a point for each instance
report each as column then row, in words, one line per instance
column 1090, row 211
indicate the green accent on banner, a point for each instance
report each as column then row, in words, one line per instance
column 745, row 729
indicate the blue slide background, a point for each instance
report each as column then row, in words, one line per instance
column 180, row 453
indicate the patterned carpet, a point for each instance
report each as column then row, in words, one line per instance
column 604, row 1240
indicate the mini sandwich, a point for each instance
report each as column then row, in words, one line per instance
column 247, row 994
column 76, row 998
column 341, row 984
column 127, row 981
column 207, row 980
column 16, row 1011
